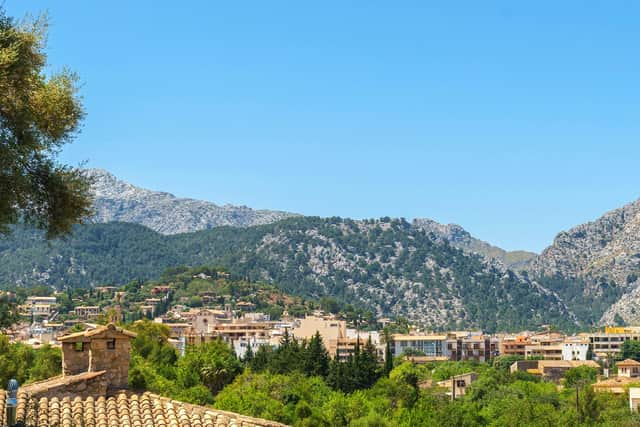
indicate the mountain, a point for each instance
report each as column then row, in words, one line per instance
column 116, row 200
column 462, row 239
column 386, row 265
column 597, row 262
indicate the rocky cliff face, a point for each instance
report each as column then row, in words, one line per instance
column 604, row 255
column 462, row 239
column 116, row 200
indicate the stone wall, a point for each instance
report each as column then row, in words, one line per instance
column 114, row 361
column 73, row 361
column 88, row 384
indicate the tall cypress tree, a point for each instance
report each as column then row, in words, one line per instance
column 388, row 359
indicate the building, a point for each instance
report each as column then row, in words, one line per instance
column 427, row 345
column 457, row 385
column 575, row 348
column 480, row 348
column 107, row 348
column 331, row 330
column 40, row 300
column 514, row 345
column 609, row 343
column 39, row 310
column 157, row 290
column 634, row 398
column 552, row 370
column 38, row 306
column 87, row 312
column 628, row 368
column 547, row 352
column 615, row 385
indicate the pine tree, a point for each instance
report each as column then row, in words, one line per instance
column 315, row 360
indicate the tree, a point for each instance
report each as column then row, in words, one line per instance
column 388, row 358
column 213, row 364
column 580, row 375
column 315, row 358
column 38, row 115
column 8, row 311
column 630, row 350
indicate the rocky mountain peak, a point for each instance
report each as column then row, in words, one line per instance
column 117, row 200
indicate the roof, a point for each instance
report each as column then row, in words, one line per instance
column 124, row 409
column 108, row 329
column 566, row 364
column 419, row 337
column 615, row 384
column 628, row 362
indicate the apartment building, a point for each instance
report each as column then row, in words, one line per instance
column 480, row 348
column 429, row 345
column 514, row 345
column 331, row 330
column 87, row 311
column 609, row 343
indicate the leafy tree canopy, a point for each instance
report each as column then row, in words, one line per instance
column 38, row 115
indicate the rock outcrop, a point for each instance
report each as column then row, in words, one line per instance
column 117, row 200
column 604, row 254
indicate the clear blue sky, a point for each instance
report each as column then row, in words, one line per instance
column 515, row 122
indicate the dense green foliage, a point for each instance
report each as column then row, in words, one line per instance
column 295, row 384
column 26, row 364
column 385, row 265
column 8, row 311
column 497, row 399
column 630, row 350
column 38, row 115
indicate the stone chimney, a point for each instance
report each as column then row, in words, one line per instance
column 107, row 348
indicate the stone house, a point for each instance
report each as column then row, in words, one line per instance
column 107, row 348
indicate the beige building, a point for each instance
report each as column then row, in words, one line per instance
column 331, row 330
column 552, row 370
column 628, row 368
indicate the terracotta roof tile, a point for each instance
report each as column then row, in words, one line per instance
column 124, row 409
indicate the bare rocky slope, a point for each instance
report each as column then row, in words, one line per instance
column 117, row 200
column 601, row 259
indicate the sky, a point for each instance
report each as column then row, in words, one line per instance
column 515, row 121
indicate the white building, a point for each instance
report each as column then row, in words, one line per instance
column 634, row 398
column 575, row 350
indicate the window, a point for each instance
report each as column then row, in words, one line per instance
column 111, row 344
column 78, row 346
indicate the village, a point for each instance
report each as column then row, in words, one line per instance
column 547, row 353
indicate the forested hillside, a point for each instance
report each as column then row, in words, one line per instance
column 386, row 265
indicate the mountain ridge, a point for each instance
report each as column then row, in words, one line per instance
column 119, row 201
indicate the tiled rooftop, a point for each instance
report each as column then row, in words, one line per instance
column 124, row 409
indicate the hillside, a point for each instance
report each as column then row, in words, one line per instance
column 462, row 239
column 117, row 200
column 120, row 201
column 386, row 265
column 598, row 262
